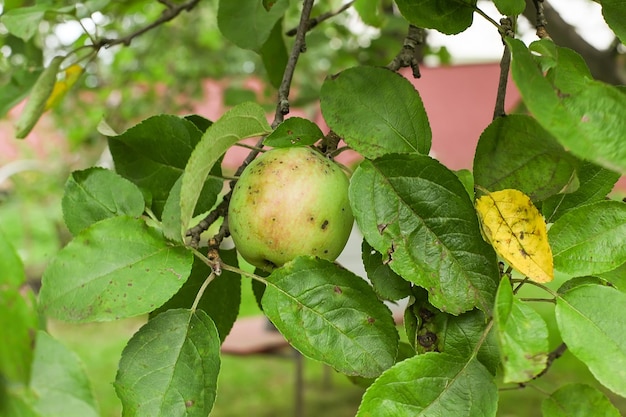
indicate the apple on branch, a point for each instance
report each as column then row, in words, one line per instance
column 290, row 202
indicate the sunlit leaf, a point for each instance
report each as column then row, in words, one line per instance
column 118, row 267
column 418, row 215
column 331, row 315
column 293, row 132
column 592, row 323
column 432, row 384
column 517, row 231
column 590, row 239
column 578, row 400
column 522, row 335
column 170, row 366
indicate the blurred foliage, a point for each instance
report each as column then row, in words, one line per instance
column 162, row 70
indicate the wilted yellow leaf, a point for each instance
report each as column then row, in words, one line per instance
column 517, row 231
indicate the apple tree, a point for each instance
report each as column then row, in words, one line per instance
column 468, row 254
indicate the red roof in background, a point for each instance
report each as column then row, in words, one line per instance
column 459, row 101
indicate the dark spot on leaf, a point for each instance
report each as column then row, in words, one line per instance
column 371, row 320
column 189, row 403
column 130, row 284
column 337, row 290
column 426, row 314
column 427, row 340
column 381, row 228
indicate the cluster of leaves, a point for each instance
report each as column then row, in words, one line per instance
column 425, row 240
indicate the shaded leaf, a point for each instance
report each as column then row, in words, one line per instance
column 517, row 231
column 170, row 366
column 17, row 89
column 594, row 184
column 96, row 194
column 23, row 22
column 578, row 400
column 153, row 154
column 294, row 131
column 590, row 239
column 432, row 384
column 447, row 16
column 243, row 121
column 59, row 382
column 615, row 16
column 118, row 267
column 386, row 283
column 522, row 336
column 376, row 111
column 594, row 333
column 248, row 23
column 220, row 300
column 371, row 12
column 274, row 55
column 516, row 152
column 331, row 315
column 416, row 213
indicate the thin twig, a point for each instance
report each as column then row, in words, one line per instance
column 552, row 356
column 409, row 55
column 319, row 19
column 168, row 14
column 299, row 46
column 282, row 108
column 541, row 22
column 505, row 65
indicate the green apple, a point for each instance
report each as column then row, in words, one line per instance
column 290, row 202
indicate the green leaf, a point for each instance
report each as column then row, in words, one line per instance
column 59, row 382
column 386, row 283
column 371, row 12
column 447, row 16
column 294, row 131
column 376, row 111
column 247, row 23
column 221, row 298
column 153, row 154
column 17, row 404
column 590, row 239
column 96, row 194
column 592, row 326
column 18, row 316
column 589, row 120
column 24, row 22
column 274, row 55
column 119, row 267
column 432, row 384
column 243, row 121
column 595, row 183
column 578, row 400
column 522, row 336
column 516, row 152
column 615, row 16
column 17, row 89
column 331, row 315
column 170, row 366
column 416, row 212
column 39, row 94
column 510, row 7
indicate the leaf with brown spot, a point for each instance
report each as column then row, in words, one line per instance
column 517, row 231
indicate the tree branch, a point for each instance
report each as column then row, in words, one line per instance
column 168, row 14
column 505, row 65
column 410, row 54
column 319, row 19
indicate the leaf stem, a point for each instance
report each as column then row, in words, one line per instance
column 203, row 288
column 243, row 273
column 541, row 300
column 483, row 337
column 536, row 284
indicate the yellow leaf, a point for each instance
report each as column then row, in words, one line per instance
column 61, row 87
column 517, row 231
